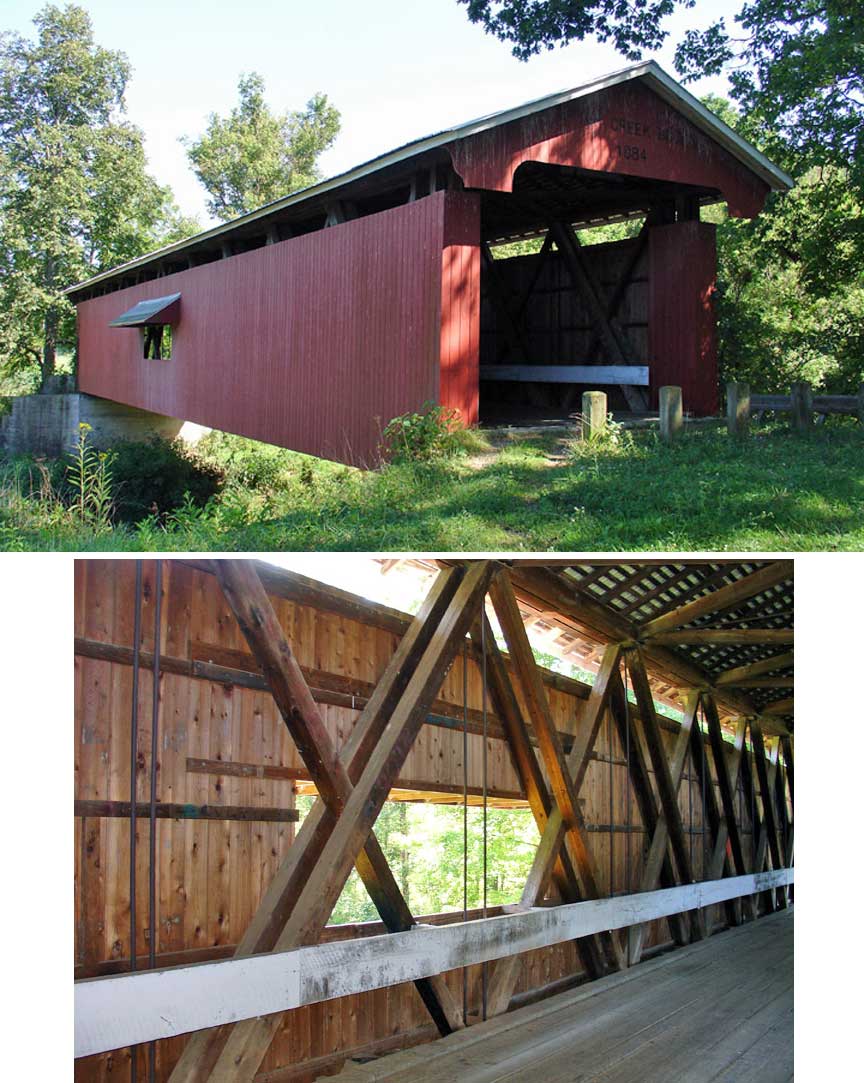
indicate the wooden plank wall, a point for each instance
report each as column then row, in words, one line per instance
column 557, row 323
column 211, row 875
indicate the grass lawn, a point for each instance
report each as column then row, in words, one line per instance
column 777, row 490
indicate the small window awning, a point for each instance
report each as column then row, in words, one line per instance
column 158, row 310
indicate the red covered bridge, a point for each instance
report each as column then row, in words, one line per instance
column 314, row 320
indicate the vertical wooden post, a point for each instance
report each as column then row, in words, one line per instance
column 593, row 414
column 861, row 403
column 671, row 412
column 802, row 405
column 738, row 408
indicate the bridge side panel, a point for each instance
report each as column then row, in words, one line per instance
column 313, row 343
column 682, row 330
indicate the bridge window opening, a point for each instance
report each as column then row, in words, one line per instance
column 156, row 340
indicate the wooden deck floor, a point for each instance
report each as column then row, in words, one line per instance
column 717, row 1010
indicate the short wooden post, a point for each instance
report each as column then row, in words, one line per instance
column 738, row 409
column 671, row 412
column 861, row 403
column 593, row 414
column 802, row 405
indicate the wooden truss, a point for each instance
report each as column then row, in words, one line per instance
column 353, row 783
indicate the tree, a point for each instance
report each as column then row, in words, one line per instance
column 796, row 74
column 790, row 286
column 254, row 156
column 75, row 196
column 533, row 25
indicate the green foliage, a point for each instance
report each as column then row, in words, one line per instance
column 424, row 845
column 790, row 289
column 613, row 439
column 796, row 72
column 533, row 25
column 89, row 475
column 251, row 463
column 424, row 436
column 254, row 155
column 156, row 477
column 75, row 196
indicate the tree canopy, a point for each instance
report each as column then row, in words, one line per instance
column 254, row 155
column 75, row 194
column 533, row 25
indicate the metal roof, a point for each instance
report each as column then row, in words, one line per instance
column 653, row 75
column 156, row 310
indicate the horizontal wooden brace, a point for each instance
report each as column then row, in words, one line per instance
column 175, row 811
column 633, row 375
column 128, row 1009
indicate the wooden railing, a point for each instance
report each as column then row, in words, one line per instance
column 804, row 406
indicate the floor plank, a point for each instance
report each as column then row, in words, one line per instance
column 719, row 1010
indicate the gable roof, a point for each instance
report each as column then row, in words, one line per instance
column 649, row 71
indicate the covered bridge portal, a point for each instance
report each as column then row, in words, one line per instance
column 311, row 322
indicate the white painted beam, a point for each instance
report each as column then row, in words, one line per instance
column 131, row 1008
column 632, row 375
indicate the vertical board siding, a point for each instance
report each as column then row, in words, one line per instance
column 313, row 343
column 460, row 307
column 682, row 330
column 600, row 132
column 211, row 875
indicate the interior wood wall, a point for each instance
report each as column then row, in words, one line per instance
column 557, row 324
column 211, row 874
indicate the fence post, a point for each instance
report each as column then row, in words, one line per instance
column 593, row 414
column 738, row 408
column 671, row 412
column 861, row 403
column 802, row 405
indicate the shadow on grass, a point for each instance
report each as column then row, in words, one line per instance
column 777, row 490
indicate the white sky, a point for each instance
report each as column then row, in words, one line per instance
column 395, row 70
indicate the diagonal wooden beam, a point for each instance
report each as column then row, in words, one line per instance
column 723, row 636
column 613, row 302
column 715, row 824
column 663, row 779
column 615, row 342
column 780, row 706
column 758, row 836
column 550, row 853
column 788, row 757
column 320, row 888
column 724, row 780
column 561, row 780
column 769, row 814
column 203, row 1049
column 734, row 752
column 658, row 849
column 534, row 785
column 717, row 601
column 756, row 669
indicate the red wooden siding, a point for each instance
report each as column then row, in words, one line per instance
column 460, row 307
column 312, row 343
column 624, row 129
column 682, row 338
